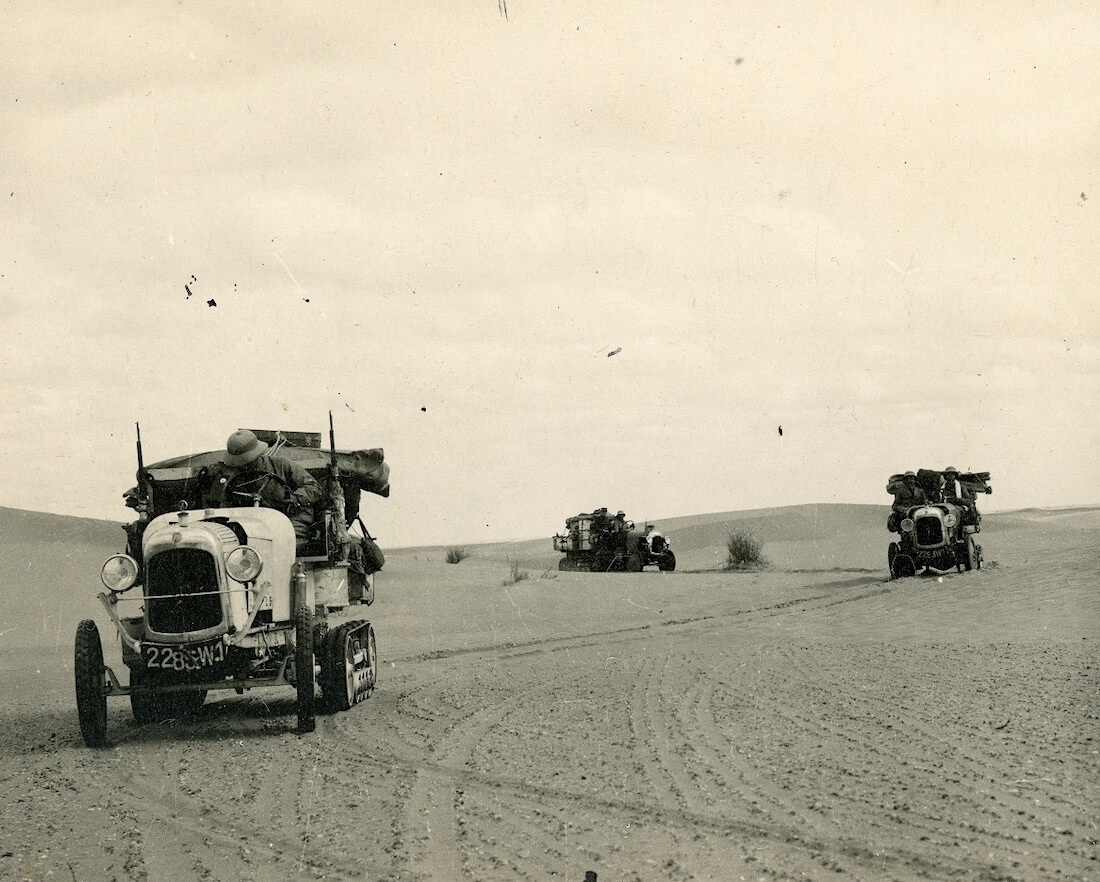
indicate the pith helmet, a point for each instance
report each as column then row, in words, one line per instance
column 909, row 475
column 951, row 470
column 242, row 448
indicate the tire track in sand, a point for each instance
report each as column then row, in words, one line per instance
column 433, row 804
column 258, row 821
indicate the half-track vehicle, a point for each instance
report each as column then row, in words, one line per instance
column 601, row 542
column 229, row 598
column 937, row 534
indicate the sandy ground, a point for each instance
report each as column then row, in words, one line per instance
column 810, row 721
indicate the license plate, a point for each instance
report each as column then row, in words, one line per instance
column 187, row 657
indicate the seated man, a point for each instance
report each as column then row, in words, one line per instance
column 949, row 491
column 968, row 499
column 247, row 473
column 600, row 525
column 907, row 494
column 958, row 493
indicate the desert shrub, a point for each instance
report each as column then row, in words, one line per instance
column 515, row 574
column 743, row 551
column 457, row 554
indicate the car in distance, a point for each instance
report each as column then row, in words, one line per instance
column 600, row 542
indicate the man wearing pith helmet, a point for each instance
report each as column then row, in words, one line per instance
column 907, row 494
column 949, row 492
column 242, row 473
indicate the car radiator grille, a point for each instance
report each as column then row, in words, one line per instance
column 181, row 591
column 929, row 531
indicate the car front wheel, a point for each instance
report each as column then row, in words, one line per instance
column 304, row 679
column 91, row 685
column 973, row 554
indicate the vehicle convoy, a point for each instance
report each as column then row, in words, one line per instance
column 229, row 598
column 599, row 542
column 936, row 524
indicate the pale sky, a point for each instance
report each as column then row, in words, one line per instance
column 873, row 224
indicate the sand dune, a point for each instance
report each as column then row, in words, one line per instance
column 811, row 721
column 49, row 567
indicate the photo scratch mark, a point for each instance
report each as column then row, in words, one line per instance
column 517, row 609
column 904, row 272
column 289, row 273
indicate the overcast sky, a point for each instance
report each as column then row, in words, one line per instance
column 588, row 254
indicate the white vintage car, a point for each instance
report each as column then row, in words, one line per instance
column 223, row 598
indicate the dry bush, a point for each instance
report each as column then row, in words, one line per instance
column 515, row 574
column 456, row 554
column 744, row 551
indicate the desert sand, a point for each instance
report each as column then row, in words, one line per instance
column 812, row 720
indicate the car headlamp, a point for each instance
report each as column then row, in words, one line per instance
column 244, row 564
column 119, row 573
column 950, row 520
column 907, row 525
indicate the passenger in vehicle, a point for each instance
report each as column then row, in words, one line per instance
column 957, row 493
column 949, row 490
column 908, row 494
column 247, row 470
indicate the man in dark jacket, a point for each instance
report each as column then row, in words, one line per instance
column 248, row 472
column 908, row 494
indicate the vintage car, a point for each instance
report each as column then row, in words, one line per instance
column 600, row 542
column 937, row 535
column 227, row 598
